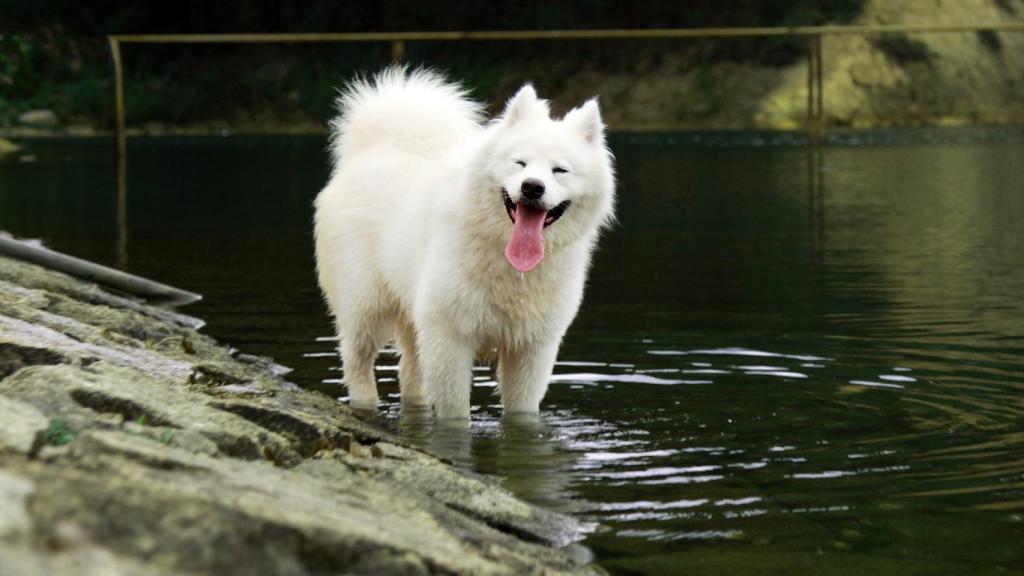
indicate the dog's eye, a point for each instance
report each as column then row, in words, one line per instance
column 521, row 163
column 559, row 170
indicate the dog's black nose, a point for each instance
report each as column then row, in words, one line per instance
column 532, row 188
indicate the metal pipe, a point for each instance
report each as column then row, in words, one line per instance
column 96, row 273
column 398, row 39
column 566, row 34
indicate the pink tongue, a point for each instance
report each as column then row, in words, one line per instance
column 525, row 249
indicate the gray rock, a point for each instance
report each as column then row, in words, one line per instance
column 131, row 444
column 476, row 496
column 39, row 118
column 87, row 560
column 8, row 147
column 15, row 522
column 81, row 396
column 117, row 485
column 25, row 276
column 22, row 426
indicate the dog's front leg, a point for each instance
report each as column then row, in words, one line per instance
column 524, row 373
column 447, row 362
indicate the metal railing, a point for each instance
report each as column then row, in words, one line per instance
column 815, row 124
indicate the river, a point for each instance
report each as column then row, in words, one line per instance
column 785, row 362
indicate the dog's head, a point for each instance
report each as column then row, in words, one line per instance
column 551, row 181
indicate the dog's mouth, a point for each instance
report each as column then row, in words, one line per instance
column 550, row 218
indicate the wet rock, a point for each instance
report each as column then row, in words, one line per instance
column 8, row 147
column 476, row 496
column 124, row 450
column 38, row 118
column 23, row 278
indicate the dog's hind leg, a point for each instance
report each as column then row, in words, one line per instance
column 410, row 377
column 358, row 353
column 523, row 375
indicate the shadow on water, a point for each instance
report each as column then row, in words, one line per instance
column 785, row 362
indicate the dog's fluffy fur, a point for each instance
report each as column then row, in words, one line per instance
column 414, row 236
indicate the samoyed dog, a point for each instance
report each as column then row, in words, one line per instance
column 457, row 237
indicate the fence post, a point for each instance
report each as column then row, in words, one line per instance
column 397, row 51
column 121, row 156
column 115, row 56
column 820, row 91
column 810, row 92
column 815, row 93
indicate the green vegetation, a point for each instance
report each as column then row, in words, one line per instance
column 39, row 71
column 902, row 50
column 166, row 437
column 990, row 40
column 58, row 434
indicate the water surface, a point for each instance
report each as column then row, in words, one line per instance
column 784, row 364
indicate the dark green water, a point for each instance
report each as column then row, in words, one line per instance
column 777, row 369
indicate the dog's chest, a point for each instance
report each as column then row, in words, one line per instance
column 506, row 305
column 522, row 302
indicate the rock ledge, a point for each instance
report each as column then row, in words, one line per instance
column 132, row 444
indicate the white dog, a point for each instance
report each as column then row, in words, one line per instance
column 454, row 237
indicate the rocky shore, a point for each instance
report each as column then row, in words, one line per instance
column 132, row 444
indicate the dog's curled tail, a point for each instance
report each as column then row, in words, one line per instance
column 417, row 110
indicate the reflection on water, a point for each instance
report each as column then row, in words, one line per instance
column 524, row 450
column 784, row 364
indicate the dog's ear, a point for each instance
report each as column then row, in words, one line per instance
column 520, row 105
column 587, row 119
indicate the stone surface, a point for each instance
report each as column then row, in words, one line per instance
column 131, row 444
column 15, row 523
column 21, row 426
column 40, row 118
column 8, row 147
column 413, row 471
